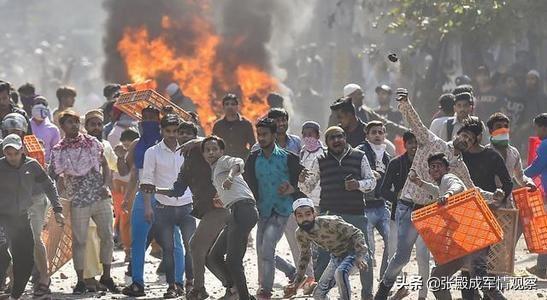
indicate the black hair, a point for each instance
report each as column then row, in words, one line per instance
column 464, row 97
column 5, row 87
column 230, row 97
column 496, row 117
column 267, row 123
column 464, row 88
column 373, row 123
column 27, row 88
column 438, row 157
column 169, row 120
column 210, row 138
column 111, row 89
column 65, row 91
column 446, row 103
column 276, row 113
column 150, row 109
column 185, row 125
column 343, row 104
column 129, row 135
column 275, row 100
column 472, row 125
column 541, row 120
column 408, row 135
column 14, row 96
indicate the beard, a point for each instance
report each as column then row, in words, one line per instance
column 97, row 134
column 307, row 225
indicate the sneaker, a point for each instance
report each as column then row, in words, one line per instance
column 537, row 272
column 180, row 289
column 110, row 285
column 80, row 288
column 171, row 293
column 134, row 290
column 197, row 294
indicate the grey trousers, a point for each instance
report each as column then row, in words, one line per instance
column 102, row 215
column 204, row 237
column 37, row 214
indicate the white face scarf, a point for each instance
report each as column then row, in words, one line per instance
column 379, row 150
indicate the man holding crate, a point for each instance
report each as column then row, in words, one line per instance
column 414, row 197
column 446, row 185
column 539, row 168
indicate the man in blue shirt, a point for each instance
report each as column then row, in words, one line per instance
column 539, row 168
column 272, row 174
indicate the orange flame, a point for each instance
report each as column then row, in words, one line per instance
column 198, row 74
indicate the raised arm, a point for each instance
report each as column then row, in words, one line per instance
column 412, row 118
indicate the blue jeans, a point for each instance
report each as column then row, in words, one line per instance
column 139, row 235
column 269, row 232
column 379, row 217
column 323, row 258
column 406, row 237
column 168, row 218
column 336, row 273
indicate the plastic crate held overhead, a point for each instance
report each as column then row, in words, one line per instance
column 462, row 226
column 132, row 103
column 35, row 149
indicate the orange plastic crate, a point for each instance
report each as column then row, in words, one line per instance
column 35, row 149
column 462, row 226
column 535, row 234
column 133, row 103
column 530, row 204
column 533, row 218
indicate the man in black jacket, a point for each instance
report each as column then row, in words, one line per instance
column 376, row 209
column 19, row 176
column 393, row 182
column 196, row 174
column 272, row 173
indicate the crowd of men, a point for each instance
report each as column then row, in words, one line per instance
column 195, row 200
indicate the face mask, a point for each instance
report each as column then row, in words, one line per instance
column 500, row 137
column 40, row 112
column 307, row 225
column 311, row 144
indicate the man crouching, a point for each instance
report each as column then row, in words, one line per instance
column 345, row 242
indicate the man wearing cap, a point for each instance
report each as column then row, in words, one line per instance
column 345, row 242
column 15, row 123
column 161, row 166
column 345, row 176
column 355, row 93
column 463, row 106
column 93, row 124
column 78, row 164
column 19, row 176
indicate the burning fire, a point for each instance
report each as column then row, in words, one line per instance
column 200, row 74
